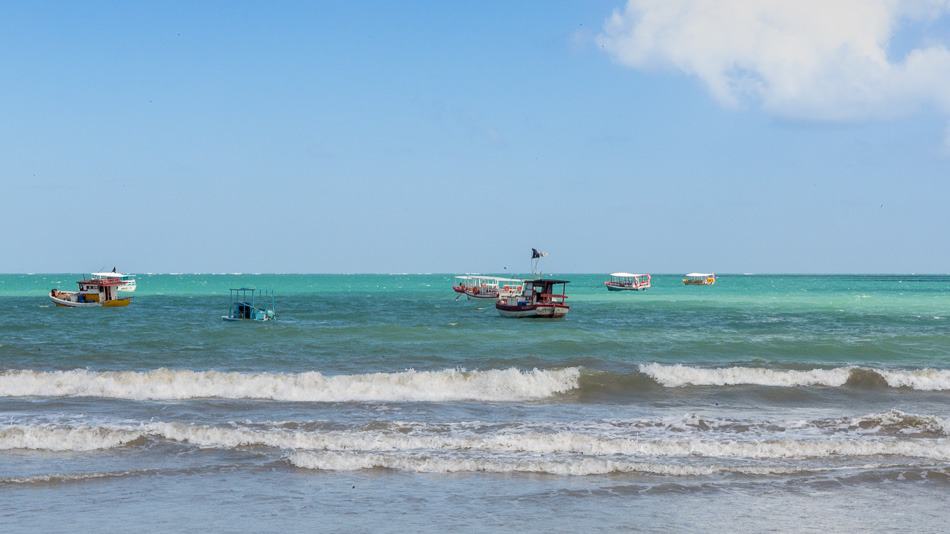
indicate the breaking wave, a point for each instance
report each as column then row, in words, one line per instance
column 495, row 385
column 587, row 441
column 352, row 461
column 683, row 375
column 490, row 385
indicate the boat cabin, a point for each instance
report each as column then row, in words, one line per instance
column 543, row 297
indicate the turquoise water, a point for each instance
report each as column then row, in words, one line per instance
column 758, row 391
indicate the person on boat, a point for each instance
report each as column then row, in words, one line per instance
column 113, row 268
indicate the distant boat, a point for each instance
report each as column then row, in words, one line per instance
column 535, row 298
column 699, row 279
column 93, row 293
column 628, row 282
column 128, row 280
column 484, row 287
column 244, row 306
column 461, row 283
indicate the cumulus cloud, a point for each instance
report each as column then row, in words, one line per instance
column 806, row 59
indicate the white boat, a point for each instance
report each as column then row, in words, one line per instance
column 489, row 287
column 628, row 282
column 127, row 280
column 699, row 279
column 536, row 299
column 93, row 293
column 484, row 287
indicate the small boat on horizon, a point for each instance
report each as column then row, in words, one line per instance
column 534, row 299
column 243, row 305
column 628, row 282
column 699, row 279
column 93, row 293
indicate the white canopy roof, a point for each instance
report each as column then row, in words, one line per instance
column 626, row 275
column 699, row 275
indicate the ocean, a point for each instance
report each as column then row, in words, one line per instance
column 381, row 403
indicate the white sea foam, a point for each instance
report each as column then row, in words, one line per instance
column 682, row 375
column 482, row 444
column 58, row 438
column 352, row 461
column 169, row 384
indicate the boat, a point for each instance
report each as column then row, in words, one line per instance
column 243, row 305
column 489, row 287
column 628, row 282
column 699, row 279
column 534, row 298
column 128, row 280
column 461, row 284
column 93, row 293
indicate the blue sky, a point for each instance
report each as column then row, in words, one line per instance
column 445, row 137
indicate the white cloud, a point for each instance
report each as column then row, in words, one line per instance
column 808, row 59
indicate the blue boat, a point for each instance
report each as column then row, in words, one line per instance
column 244, row 307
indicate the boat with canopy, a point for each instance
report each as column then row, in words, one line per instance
column 244, row 305
column 489, row 287
column 93, row 293
column 628, row 282
column 699, row 279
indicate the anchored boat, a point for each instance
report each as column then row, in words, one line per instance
column 628, row 282
column 484, row 287
column 535, row 298
column 93, row 293
column 461, row 284
column 699, row 279
column 244, row 307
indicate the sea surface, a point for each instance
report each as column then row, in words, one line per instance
column 383, row 403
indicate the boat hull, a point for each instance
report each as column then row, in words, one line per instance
column 626, row 288
column 533, row 311
column 116, row 303
column 484, row 295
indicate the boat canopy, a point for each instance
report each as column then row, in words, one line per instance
column 102, row 282
column 699, row 275
column 547, row 281
column 627, row 275
column 492, row 279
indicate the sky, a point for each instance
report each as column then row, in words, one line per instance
column 384, row 137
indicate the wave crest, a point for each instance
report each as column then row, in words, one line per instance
column 494, row 385
column 682, row 375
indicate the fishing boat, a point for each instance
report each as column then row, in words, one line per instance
column 699, row 279
column 534, row 298
column 244, row 305
column 128, row 280
column 628, row 282
column 93, row 293
column 489, row 287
